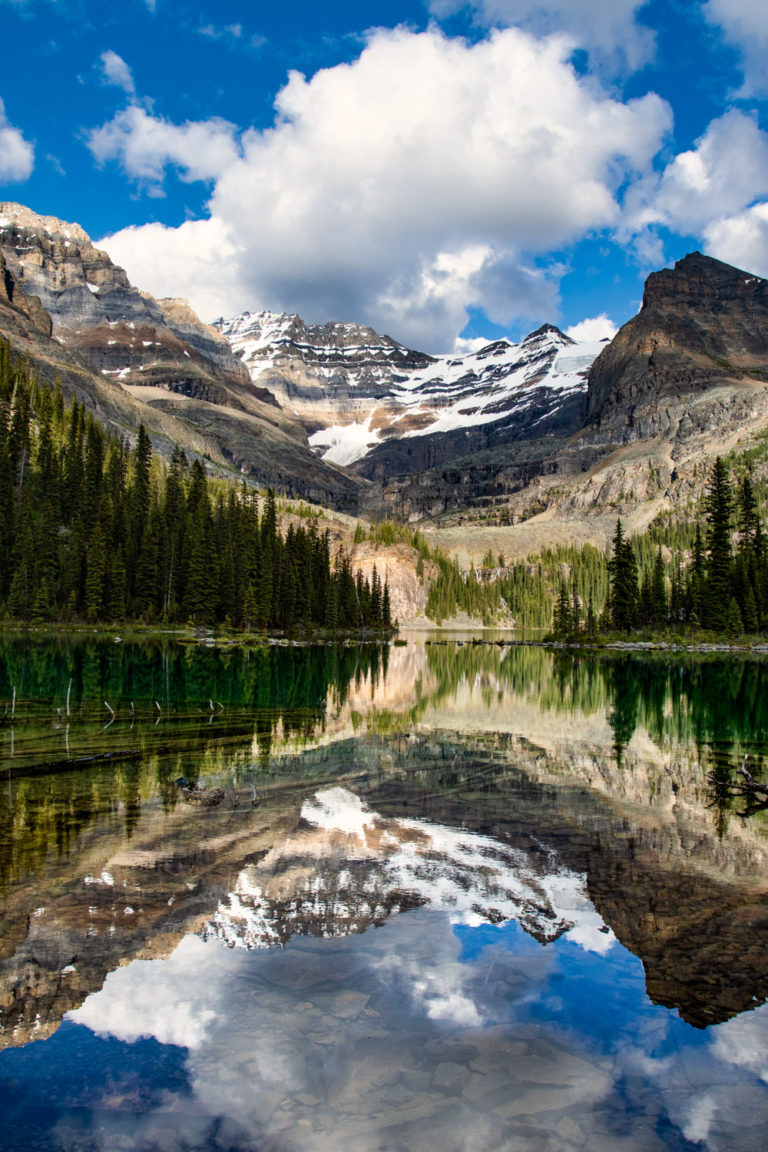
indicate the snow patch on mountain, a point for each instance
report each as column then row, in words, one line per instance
column 355, row 389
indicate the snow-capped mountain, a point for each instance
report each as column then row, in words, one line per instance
column 355, row 390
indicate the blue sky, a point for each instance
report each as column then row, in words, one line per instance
column 442, row 171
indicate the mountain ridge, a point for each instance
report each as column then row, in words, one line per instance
column 132, row 359
column 543, row 438
column 357, row 392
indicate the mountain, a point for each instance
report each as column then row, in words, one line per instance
column 703, row 324
column 96, row 311
column 27, row 327
column 134, row 359
column 681, row 382
column 385, row 410
column 529, row 433
column 542, row 441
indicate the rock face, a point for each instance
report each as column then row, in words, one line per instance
column 13, row 297
column 385, row 410
column 154, row 360
column 683, row 381
column 701, row 323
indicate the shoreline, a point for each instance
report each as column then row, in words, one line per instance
column 437, row 635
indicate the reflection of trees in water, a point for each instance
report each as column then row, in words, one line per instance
column 626, row 702
column 708, row 700
column 178, row 676
column 43, row 809
column 689, row 698
column 46, row 815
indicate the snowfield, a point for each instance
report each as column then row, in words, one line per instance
column 399, row 393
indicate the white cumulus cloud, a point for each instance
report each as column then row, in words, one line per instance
column 608, row 29
column 17, row 155
column 423, row 178
column 595, row 328
column 116, row 71
column 708, row 191
column 741, row 239
column 745, row 26
column 145, row 145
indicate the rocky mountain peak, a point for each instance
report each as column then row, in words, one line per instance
column 702, row 323
column 328, row 348
column 23, row 218
column 77, row 283
column 94, row 307
column 697, row 279
column 547, row 332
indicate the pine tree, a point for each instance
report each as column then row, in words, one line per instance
column 386, row 608
column 622, row 568
column 748, row 520
column 718, row 506
column 575, row 609
column 658, row 590
column 95, row 575
column 562, row 621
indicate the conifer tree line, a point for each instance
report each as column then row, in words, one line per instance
column 719, row 584
column 92, row 529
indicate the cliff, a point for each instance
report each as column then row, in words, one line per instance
column 702, row 323
column 133, row 359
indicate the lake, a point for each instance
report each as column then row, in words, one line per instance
column 439, row 894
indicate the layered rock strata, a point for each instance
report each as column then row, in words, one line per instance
column 702, row 324
column 159, row 363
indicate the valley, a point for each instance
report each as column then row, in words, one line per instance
column 507, row 447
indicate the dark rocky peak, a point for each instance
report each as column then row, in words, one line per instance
column 547, row 330
column 698, row 280
column 703, row 323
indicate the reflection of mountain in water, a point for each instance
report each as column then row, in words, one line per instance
column 346, row 868
column 504, row 749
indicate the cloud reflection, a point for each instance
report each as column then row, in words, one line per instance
column 159, row 998
column 406, row 1037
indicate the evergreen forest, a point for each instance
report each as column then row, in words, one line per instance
column 719, row 583
column 94, row 529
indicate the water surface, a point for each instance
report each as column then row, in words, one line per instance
column 451, row 896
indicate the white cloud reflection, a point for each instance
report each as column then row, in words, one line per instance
column 332, row 1044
